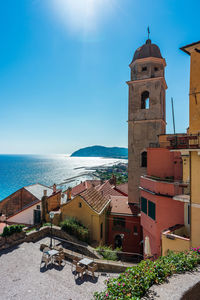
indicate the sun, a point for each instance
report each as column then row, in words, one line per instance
column 81, row 15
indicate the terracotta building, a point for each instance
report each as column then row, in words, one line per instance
column 146, row 116
column 124, row 229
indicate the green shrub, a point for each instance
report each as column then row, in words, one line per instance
column 46, row 224
column 135, row 281
column 108, row 253
column 74, row 227
column 9, row 230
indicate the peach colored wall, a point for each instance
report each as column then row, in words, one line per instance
column 161, row 187
column 163, row 163
column 178, row 244
column 168, row 213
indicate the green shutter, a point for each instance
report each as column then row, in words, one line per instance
column 152, row 210
column 144, row 205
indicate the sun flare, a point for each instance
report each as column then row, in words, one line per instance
column 81, row 15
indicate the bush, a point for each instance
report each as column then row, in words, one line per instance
column 135, row 281
column 9, row 230
column 108, row 253
column 74, row 227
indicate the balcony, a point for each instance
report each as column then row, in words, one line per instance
column 175, row 239
column 161, row 186
column 184, row 141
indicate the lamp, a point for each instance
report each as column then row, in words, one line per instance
column 51, row 215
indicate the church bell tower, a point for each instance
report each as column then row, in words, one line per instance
column 146, row 113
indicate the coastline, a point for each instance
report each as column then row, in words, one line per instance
column 17, row 171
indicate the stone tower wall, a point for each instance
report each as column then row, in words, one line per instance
column 144, row 125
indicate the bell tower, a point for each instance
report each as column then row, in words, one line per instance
column 146, row 113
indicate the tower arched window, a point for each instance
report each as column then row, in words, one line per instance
column 145, row 100
column 144, row 159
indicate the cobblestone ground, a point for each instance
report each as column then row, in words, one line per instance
column 22, row 278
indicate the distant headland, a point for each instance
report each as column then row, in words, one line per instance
column 101, row 151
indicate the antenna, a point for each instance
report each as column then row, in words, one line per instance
column 172, row 100
column 148, row 32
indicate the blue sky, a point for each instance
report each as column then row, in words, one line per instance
column 64, row 67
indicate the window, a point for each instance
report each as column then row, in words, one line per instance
column 144, row 69
column 80, row 204
column 152, row 210
column 145, row 100
column 38, row 206
column 135, row 230
column 121, row 222
column 101, row 231
column 144, row 205
column 156, row 69
column 144, row 159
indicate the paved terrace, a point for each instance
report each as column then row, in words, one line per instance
column 22, row 277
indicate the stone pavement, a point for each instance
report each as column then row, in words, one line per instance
column 22, row 277
column 176, row 287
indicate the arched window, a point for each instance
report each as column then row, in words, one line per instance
column 145, row 100
column 144, row 159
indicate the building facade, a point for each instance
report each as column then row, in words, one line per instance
column 146, row 116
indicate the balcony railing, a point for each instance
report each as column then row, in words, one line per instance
column 184, row 141
column 160, row 186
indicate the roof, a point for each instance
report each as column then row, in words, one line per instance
column 37, row 190
column 187, row 49
column 107, row 189
column 84, row 186
column 123, row 188
column 120, row 205
column 147, row 50
column 95, row 199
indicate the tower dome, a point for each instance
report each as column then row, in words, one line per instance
column 147, row 50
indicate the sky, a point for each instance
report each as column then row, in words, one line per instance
column 64, row 66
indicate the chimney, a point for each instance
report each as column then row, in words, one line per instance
column 45, row 193
column 69, row 192
column 54, row 188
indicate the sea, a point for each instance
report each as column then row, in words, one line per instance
column 17, row 171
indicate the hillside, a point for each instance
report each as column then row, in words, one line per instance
column 101, row 151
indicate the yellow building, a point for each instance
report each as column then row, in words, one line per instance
column 90, row 208
column 189, row 145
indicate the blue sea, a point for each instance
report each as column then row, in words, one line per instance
column 17, row 171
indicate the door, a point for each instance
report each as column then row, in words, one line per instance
column 36, row 216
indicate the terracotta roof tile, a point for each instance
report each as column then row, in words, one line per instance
column 95, row 199
column 76, row 190
column 107, row 190
column 123, row 188
column 120, row 205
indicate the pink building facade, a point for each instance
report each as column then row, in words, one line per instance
column 158, row 209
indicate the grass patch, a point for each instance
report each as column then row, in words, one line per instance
column 108, row 253
column 76, row 228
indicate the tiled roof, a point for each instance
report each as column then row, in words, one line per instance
column 107, row 190
column 38, row 190
column 123, row 188
column 120, row 205
column 95, row 199
column 84, row 186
